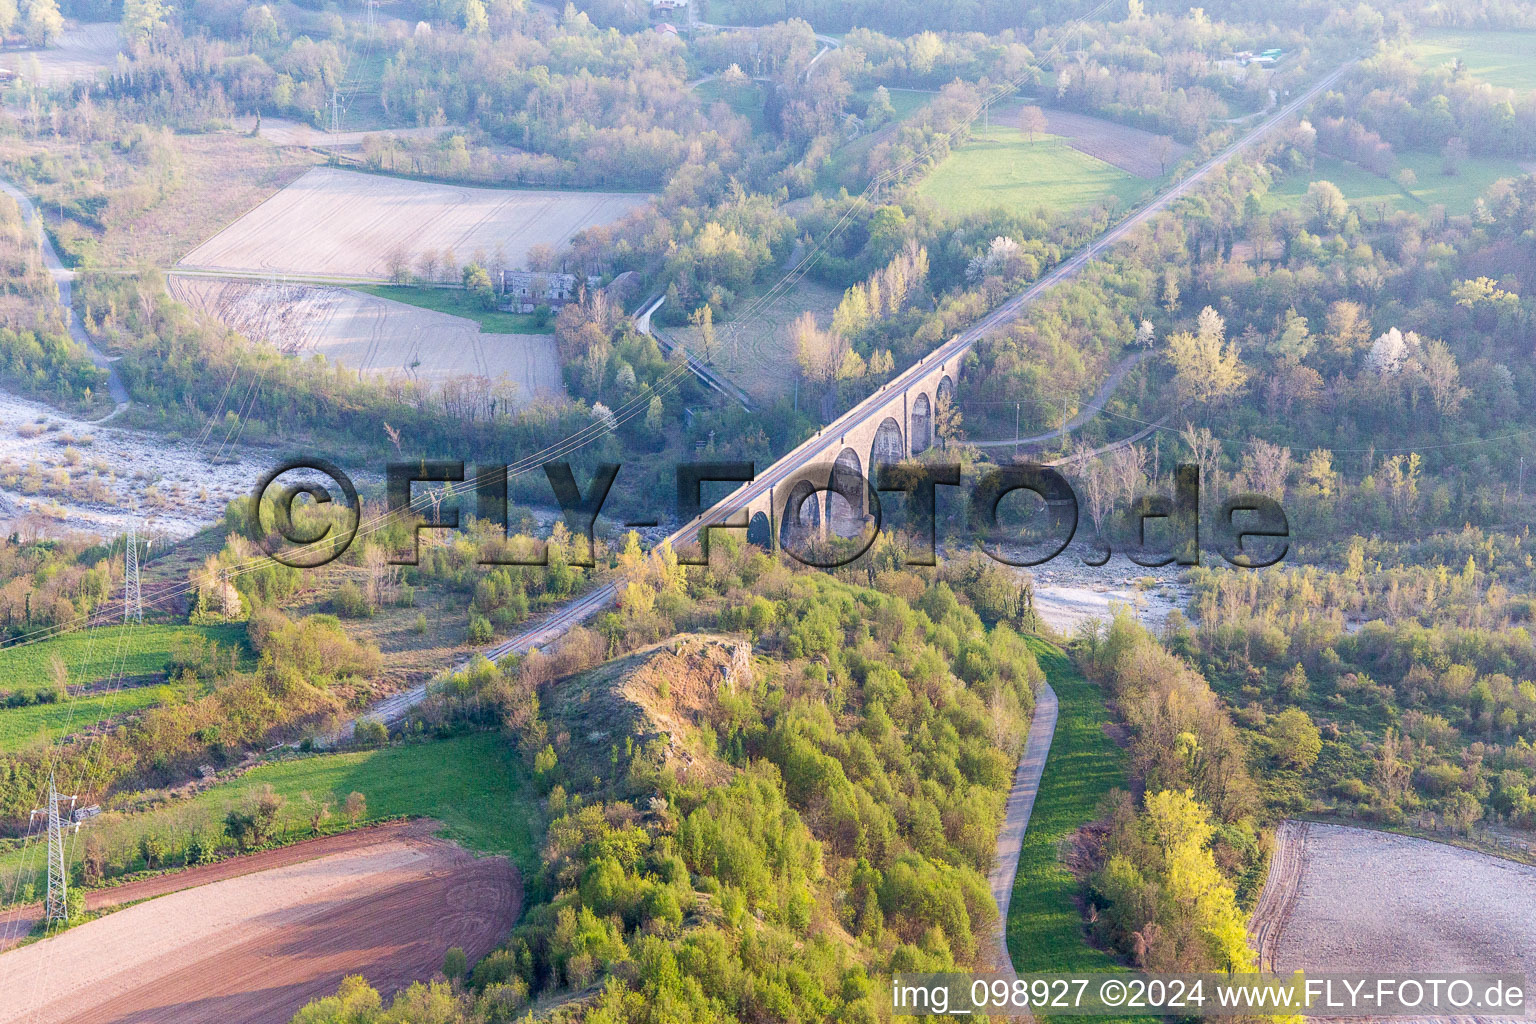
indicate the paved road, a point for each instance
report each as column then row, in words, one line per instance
column 64, row 278
column 1021, row 802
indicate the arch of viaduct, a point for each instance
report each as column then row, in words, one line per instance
column 831, row 493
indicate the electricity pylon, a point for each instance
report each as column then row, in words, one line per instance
column 133, row 599
column 56, row 905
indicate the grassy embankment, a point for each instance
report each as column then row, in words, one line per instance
column 102, row 658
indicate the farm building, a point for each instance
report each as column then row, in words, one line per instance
column 526, row 290
column 1264, row 58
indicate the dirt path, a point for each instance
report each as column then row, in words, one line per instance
column 1279, row 896
column 64, row 278
column 256, row 947
column 1021, row 801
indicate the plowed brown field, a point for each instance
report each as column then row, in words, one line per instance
column 378, row 336
column 260, row 936
column 1127, row 148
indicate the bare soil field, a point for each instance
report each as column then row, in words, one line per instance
column 255, row 946
column 1129, row 149
column 81, row 51
column 18, row 921
column 1367, row 901
column 375, row 335
column 336, row 223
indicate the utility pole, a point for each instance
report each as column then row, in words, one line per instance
column 133, row 600
column 1016, row 422
column 335, row 110
column 56, row 905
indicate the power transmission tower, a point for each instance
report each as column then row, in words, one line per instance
column 56, row 906
column 133, row 600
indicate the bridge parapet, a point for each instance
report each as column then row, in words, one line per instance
column 893, row 424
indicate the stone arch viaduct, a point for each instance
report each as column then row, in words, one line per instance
column 822, row 484
column 900, row 401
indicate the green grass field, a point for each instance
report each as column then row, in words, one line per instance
column 1499, row 58
column 95, row 655
column 458, row 302
column 1001, row 166
column 475, row 785
column 1045, row 927
column 1365, row 190
column 20, row 727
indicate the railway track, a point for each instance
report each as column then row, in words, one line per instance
column 600, row 597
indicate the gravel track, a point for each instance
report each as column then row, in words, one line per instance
column 1278, row 899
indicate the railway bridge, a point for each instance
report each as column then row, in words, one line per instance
column 895, row 422
column 827, row 492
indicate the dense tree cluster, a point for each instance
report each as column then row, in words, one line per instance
column 844, row 815
column 1166, row 871
column 1411, row 108
column 1413, row 681
column 54, row 583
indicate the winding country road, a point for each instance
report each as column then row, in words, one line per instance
column 64, row 278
